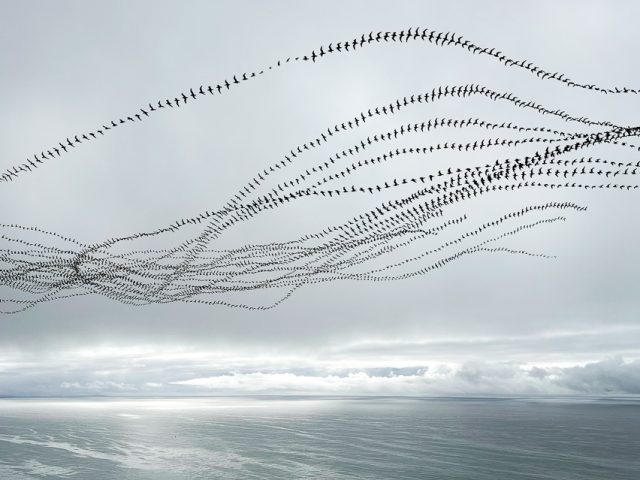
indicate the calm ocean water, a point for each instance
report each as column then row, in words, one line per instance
column 313, row 437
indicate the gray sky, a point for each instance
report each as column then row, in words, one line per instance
column 488, row 324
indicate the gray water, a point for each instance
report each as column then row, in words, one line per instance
column 313, row 437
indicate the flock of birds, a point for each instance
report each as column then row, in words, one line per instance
column 412, row 228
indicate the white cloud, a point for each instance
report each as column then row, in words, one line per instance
column 526, row 365
column 606, row 377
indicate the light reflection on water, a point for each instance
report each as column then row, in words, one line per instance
column 313, row 437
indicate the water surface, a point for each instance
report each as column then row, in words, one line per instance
column 317, row 438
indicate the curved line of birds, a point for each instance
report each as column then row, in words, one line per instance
column 193, row 272
column 436, row 38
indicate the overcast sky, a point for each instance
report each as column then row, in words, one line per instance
column 485, row 325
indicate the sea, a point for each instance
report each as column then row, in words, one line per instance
column 320, row 438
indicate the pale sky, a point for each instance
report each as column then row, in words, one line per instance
column 483, row 325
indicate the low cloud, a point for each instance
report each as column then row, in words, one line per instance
column 613, row 376
column 198, row 373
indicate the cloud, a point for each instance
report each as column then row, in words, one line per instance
column 608, row 376
column 145, row 371
column 613, row 376
column 590, row 363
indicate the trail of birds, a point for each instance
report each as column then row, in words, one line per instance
column 416, row 223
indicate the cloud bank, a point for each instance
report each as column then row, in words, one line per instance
column 612, row 376
column 157, row 372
